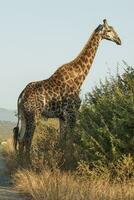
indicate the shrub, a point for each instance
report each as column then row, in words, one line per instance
column 105, row 128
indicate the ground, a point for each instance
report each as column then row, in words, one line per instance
column 6, row 190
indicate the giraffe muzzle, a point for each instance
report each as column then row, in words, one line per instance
column 118, row 41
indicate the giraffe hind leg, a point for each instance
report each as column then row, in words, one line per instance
column 30, row 128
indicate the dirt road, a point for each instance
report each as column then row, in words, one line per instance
column 6, row 190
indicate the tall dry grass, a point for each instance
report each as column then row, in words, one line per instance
column 84, row 185
column 63, row 186
column 10, row 155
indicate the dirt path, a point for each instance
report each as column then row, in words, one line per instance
column 6, row 190
column 7, row 193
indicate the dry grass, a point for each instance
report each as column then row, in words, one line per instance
column 10, row 155
column 57, row 185
column 8, row 146
column 64, row 186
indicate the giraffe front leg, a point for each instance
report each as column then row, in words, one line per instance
column 67, row 124
column 63, row 129
column 66, row 139
column 68, row 119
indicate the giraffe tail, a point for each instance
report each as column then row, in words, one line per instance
column 15, row 137
column 16, row 129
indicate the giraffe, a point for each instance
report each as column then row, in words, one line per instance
column 58, row 96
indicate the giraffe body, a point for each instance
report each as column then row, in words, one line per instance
column 58, row 96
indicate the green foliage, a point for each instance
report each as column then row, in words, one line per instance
column 120, row 171
column 106, row 120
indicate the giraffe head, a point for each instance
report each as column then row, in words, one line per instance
column 109, row 33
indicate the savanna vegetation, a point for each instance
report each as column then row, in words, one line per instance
column 6, row 129
column 97, row 160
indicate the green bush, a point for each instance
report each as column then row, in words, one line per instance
column 106, row 120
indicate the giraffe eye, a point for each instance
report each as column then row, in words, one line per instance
column 109, row 31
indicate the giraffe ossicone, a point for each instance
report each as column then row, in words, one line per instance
column 58, row 96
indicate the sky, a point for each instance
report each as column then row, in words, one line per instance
column 36, row 37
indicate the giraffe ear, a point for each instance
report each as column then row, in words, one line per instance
column 99, row 28
column 105, row 23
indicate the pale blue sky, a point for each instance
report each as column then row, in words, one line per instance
column 36, row 37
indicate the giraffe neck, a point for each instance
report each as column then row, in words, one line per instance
column 73, row 73
column 83, row 62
